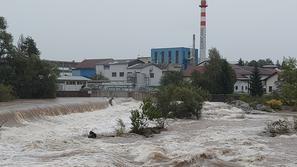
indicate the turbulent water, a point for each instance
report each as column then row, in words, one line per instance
column 224, row 137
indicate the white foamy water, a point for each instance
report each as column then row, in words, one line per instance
column 223, row 137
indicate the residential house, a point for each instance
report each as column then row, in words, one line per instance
column 64, row 67
column 269, row 77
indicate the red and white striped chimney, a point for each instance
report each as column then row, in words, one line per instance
column 203, row 7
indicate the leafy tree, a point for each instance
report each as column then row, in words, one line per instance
column 6, row 54
column 22, row 68
column 256, row 87
column 288, row 81
column 172, row 78
column 6, row 93
column 240, row 62
column 219, row 77
column 253, row 63
column 227, row 78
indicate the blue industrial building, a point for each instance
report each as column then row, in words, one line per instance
column 179, row 55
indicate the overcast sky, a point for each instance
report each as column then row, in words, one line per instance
column 80, row 29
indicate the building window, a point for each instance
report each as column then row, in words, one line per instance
column 156, row 57
column 270, row 88
column 114, row 74
column 236, row 87
column 177, row 57
column 169, row 57
column 242, row 88
column 122, row 74
column 162, row 57
column 246, row 88
column 152, row 75
column 106, row 67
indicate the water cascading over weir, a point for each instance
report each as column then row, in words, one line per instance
column 11, row 116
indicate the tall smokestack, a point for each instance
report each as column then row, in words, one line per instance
column 203, row 7
column 193, row 52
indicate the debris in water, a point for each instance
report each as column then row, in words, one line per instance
column 92, row 135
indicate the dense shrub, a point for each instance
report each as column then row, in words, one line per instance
column 138, row 121
column 181, row 102
column 274, row 104
column 6, row 93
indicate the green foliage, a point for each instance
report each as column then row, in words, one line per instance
column 120, row 129
column 181, row 102
column 240, row 62
column 219, row 77
column 256, row 87
column 152, row 113
column 138, row 121
column 288, row 81
column 260, row 63
column 22, row 68
column 6, row 93
column 172, row 78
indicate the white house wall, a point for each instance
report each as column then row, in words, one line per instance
column 117, row 68
column 271, row 82
column 242, row 86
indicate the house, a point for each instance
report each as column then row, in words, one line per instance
column 87, row 68
column 116, row 70
column 269, row 77
column 71, row 83
column 179, row 55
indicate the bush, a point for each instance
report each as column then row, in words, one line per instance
column 138, row 121
column 152, row 113
column 181, row 102
column 6, row 93
column 278, row 127
column 274, row 104
column 120, row 129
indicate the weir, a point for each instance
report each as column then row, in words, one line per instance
column 14, row 118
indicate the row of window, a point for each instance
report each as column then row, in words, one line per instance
column 114, row 74
column 75, row 82
column 122, row 74
column 246, row 88
column 169, row 57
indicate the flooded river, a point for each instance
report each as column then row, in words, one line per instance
column 224, row 137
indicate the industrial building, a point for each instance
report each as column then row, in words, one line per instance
column 180, row 56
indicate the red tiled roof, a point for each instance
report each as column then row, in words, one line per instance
column 190, row 70
column 91, row 63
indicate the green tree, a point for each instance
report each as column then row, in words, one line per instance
column 219, row 77
column 6, row 54
column 240, row 62
column 288, row 81
column 227, row 78
column 172, row 78
column 256, row 87
column 6, row 93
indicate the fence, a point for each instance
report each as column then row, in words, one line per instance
column 138, row 95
